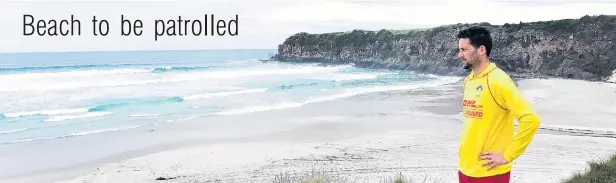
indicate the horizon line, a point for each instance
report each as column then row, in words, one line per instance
column 139, row 50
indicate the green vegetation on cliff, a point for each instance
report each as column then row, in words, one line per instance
column 570, row 48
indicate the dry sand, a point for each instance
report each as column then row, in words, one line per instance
column 419, row 142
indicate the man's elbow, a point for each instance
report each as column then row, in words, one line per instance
column 535, row 121
column 531, row 120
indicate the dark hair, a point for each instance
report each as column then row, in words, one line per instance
column 477, row 36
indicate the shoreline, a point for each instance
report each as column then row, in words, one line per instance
column 66, row 172
column 370, row 147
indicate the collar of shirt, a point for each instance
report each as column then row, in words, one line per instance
column 487, row 70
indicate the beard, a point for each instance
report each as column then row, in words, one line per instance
column 466, row 66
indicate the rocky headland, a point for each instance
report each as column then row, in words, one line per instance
column 569, row 48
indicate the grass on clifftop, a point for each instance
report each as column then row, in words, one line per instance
column 406, row 31
column 598, row 172
column 393, row 31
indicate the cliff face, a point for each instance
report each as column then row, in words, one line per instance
column 571, row 48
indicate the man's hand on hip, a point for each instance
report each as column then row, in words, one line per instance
column 494, row 159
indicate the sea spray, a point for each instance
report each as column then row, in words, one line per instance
column 179, row 69
column 612, row 78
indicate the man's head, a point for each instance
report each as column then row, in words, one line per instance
column 475, row 45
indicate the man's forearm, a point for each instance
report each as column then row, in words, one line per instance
column 527, row 128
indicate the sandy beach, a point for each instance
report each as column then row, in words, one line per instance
column 412, row 132
column 362, row 91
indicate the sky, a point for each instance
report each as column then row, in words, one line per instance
column 261, row 24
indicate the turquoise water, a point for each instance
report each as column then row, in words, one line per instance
column 46, row 96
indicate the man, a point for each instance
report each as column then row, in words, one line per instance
column 491, row 102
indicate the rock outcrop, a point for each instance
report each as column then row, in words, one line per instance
column 570, row 48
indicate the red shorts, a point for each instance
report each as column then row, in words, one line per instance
column 502, row 178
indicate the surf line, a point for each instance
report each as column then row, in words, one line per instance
column 209, row 26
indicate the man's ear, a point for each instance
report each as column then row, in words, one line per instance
column 482, row 50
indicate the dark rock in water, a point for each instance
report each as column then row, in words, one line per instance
column 570, row 48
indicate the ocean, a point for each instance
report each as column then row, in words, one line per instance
column 49, row 97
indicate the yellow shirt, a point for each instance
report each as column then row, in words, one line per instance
column 488, row 126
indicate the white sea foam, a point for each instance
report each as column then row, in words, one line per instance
column 347, row 93
column 102, row 130
column 234, row 74
column 223, row 94
column 348, row 77
column 282, row 105
column 47, row 112
column 69, row 74
column 13, row 131
column 74, row 134
column 145, row 115
column 64, row 114
column 183, row 119
column 57, row 118
column 114, row 78
column 46, row 85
